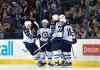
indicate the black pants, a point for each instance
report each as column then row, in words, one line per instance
column 61, row 44
column 31, row 47
column 47, row 47
column 56, row 43
column 66, row 46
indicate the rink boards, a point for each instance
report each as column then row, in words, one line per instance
column 86, row 53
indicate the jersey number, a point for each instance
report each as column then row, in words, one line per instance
column 69, row 32
column 60, row 29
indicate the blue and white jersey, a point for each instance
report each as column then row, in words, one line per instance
column 58, row 30
column 44, row 33
column 68, row 34
column 52, row 27
column 28, row 36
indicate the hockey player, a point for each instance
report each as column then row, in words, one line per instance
column 44, row 35
column 55, row 19
column 56, row 43
column 69, row 39
column 29, row 36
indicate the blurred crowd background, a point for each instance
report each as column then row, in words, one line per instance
column 83, row 15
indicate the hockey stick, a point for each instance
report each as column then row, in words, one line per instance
column 42, row 46
column 73, row 53
column 45, row 56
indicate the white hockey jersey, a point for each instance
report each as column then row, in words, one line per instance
column 58, row 30
column 68, row 34
column 44, row 33
column 28, row 36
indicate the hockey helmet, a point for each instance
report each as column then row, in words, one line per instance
column 62, row 18
column 27, row 24
column 55, row 17
column 45, row 22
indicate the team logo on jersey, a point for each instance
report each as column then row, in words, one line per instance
column 45, row 34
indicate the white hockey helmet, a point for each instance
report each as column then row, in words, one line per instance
column 55, row 17
column 45, row 22
column 62, row 18
column 27, row 24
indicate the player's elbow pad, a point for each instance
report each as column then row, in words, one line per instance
column 74, row 41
